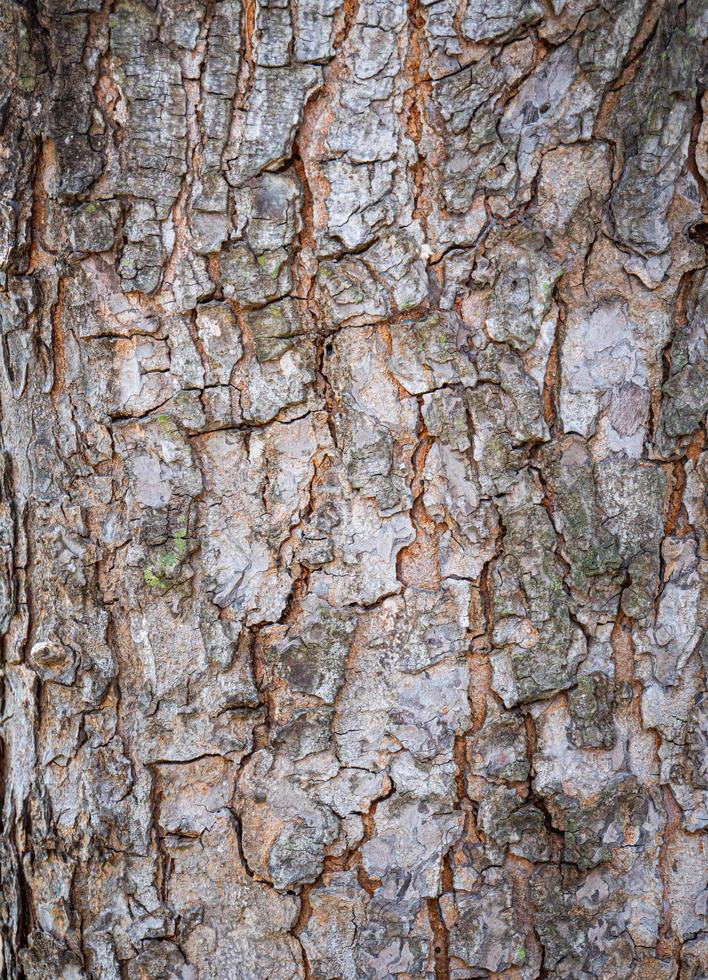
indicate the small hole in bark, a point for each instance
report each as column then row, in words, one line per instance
column 699, row 233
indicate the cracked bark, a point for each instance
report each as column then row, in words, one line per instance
column 353, row 531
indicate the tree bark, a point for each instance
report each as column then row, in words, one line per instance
column 353, row 532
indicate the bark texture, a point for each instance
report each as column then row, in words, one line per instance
column 353, row 527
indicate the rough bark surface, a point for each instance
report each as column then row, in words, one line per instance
column 353, row 527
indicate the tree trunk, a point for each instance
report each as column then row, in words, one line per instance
column 353, row 531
